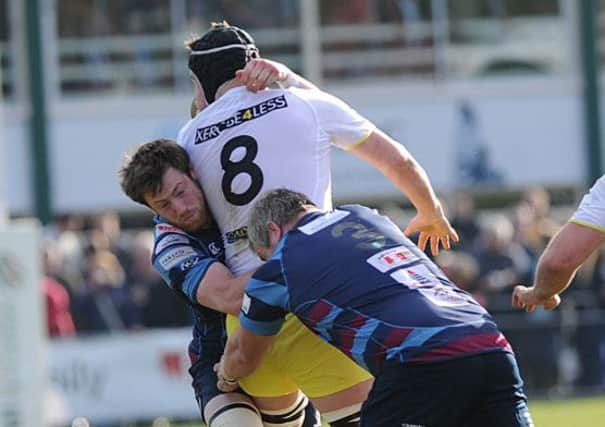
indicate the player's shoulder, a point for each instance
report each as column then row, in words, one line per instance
column 185, row 131
column 166, row 235
column 162, row 227
column 596, row 195
column 356, row 208
column 591, row 211
column 310, row 96
column 598, row 188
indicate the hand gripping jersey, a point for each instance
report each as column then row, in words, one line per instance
column 182, row 259
column 591, row 212
column 245, row 143
column 353, row 278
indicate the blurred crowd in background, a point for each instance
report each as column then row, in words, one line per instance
column 99, row 279
column 117, row 46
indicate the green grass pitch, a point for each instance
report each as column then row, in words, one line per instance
column 584, row 412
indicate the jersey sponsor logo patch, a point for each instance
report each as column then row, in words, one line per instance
column 235, row 235
column 171, row 239
column 415, row 277
column 167, row 228
column 214, row 248
column 391, row 258
column 245, row 115
column 189, row 263
column 443, row 296
column 246, row 304
column 323, row 221
column 175, row 256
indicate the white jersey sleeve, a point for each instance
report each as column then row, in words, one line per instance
column 345, row 127
column 591, row 212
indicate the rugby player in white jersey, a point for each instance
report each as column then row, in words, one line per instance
column 565, row 253
column 244, row 143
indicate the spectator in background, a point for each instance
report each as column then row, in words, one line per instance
column 464, row 221
column 66, row 234
column 156, row 302
column 108, row 229
column 58, row 310
column 501, row 261
column 105, row 304
column 542, row 227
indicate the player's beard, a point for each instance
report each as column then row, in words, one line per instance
column 193, row 220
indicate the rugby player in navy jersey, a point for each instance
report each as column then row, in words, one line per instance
column 352, row 277
column 189, row 254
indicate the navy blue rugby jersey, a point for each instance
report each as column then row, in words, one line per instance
column 352, row 277
column 182, row 259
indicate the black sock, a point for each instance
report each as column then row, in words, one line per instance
column 352, row 420
column 312, row 418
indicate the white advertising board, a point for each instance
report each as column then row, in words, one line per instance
column 22, row 336
column 125, row 376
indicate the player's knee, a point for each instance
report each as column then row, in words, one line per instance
column 292, row 416
column 236, row 413
column 345, row 417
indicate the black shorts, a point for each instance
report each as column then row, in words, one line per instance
column 480, row 390
column 202, row 373
column 205, row 350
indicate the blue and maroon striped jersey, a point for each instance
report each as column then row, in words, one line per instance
column 352, row 277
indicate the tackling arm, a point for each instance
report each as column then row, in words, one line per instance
column 244, row 351
column 400, row 167
column 221, row 290
column 187, row 266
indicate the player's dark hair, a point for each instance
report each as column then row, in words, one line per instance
column 279, row 206
column 214, row 66
column 142, row 171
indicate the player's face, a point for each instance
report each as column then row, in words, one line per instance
column 180, row 201
column 263, row 252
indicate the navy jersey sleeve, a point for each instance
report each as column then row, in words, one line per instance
column 265, row 302
column 181, row 261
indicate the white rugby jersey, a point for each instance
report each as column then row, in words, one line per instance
column 591, row 212
column 245, row 143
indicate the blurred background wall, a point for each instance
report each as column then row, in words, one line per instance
column 478, row 90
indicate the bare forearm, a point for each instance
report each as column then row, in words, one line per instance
column 238, row 285
column 552, row 279
column 565, row 253
column 411, row 179
column 222, row 291
column 236, row 363
column 398, row 165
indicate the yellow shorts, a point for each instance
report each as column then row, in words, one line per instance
column 300, row 360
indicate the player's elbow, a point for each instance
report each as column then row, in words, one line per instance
column 233, row 301
column 234, row 306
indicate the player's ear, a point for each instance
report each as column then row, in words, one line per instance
column 199, row 99
column 275, row 233
column 192, row 173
